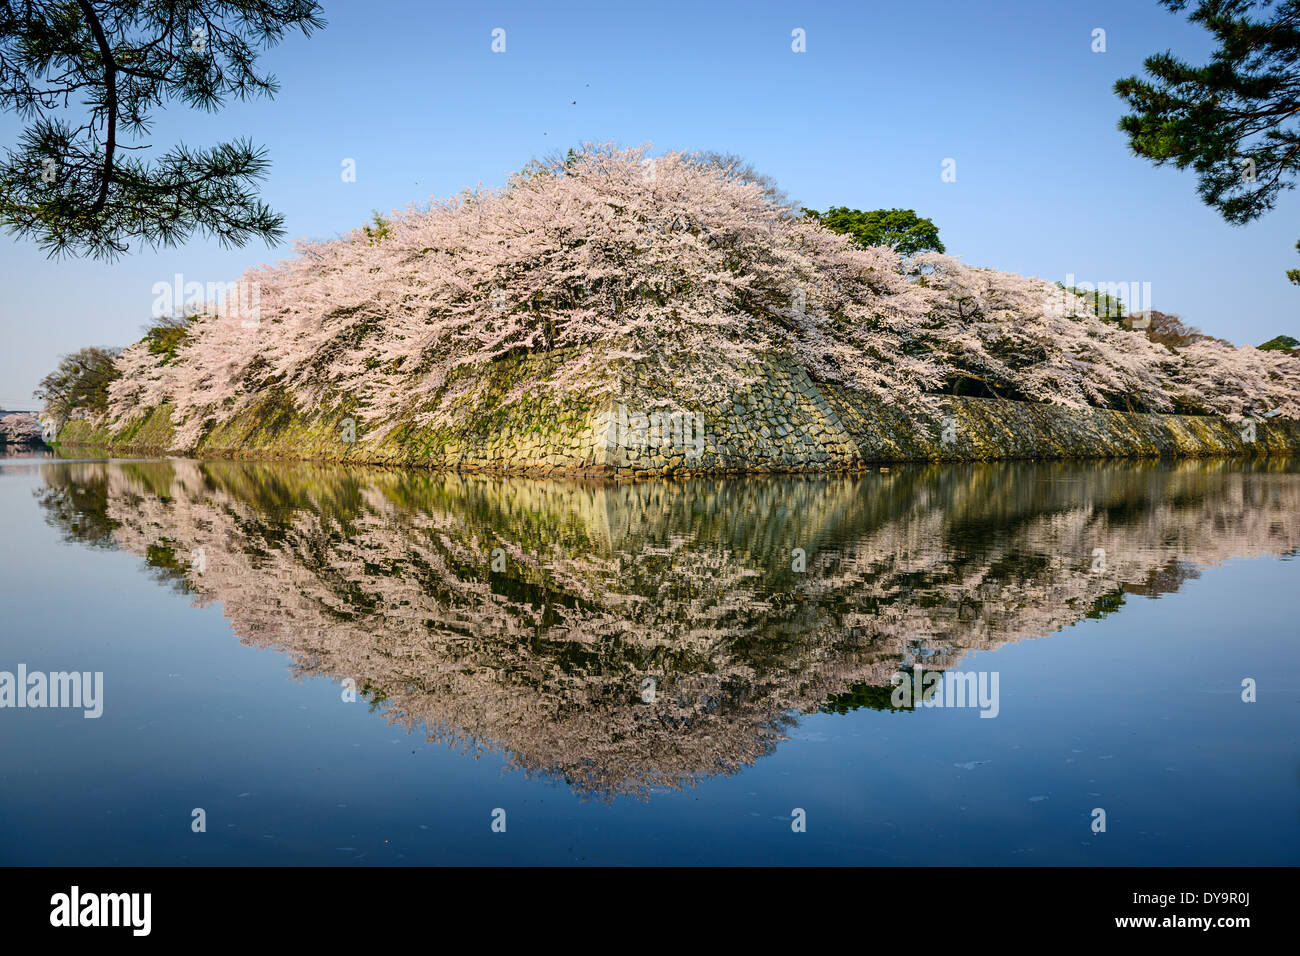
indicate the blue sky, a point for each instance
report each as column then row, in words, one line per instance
column 1010, row 90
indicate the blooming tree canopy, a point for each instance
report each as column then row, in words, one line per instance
column 610, row 255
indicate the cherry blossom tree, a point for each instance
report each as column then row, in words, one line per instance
column 1029, row 338
column 20, row 428
column 679, row 262
column 1238, row 383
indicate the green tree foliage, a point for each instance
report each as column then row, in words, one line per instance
column 1236, row 120
column 80, row 381
column 1281, row 343
column 166, row 334
column 378, row 229
column 1105, row 305
column 76, row 189
column 900, row 229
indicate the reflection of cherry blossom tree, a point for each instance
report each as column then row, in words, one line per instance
column 385, row 577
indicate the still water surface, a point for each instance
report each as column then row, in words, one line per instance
column 655, row 672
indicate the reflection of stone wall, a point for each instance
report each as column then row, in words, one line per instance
column 783, row 422
column 385, row 576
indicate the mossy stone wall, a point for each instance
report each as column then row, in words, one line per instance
column 632, row 423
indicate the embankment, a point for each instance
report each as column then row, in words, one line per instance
column 783, row 422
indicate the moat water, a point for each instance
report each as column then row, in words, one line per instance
column 302, row 664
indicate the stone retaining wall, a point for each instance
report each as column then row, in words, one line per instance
column 632, row 425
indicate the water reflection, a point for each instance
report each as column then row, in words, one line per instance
column 624, row 638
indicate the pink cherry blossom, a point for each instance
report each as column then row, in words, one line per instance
column 608, row 258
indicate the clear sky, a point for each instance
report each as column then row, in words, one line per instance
column 885, row 92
